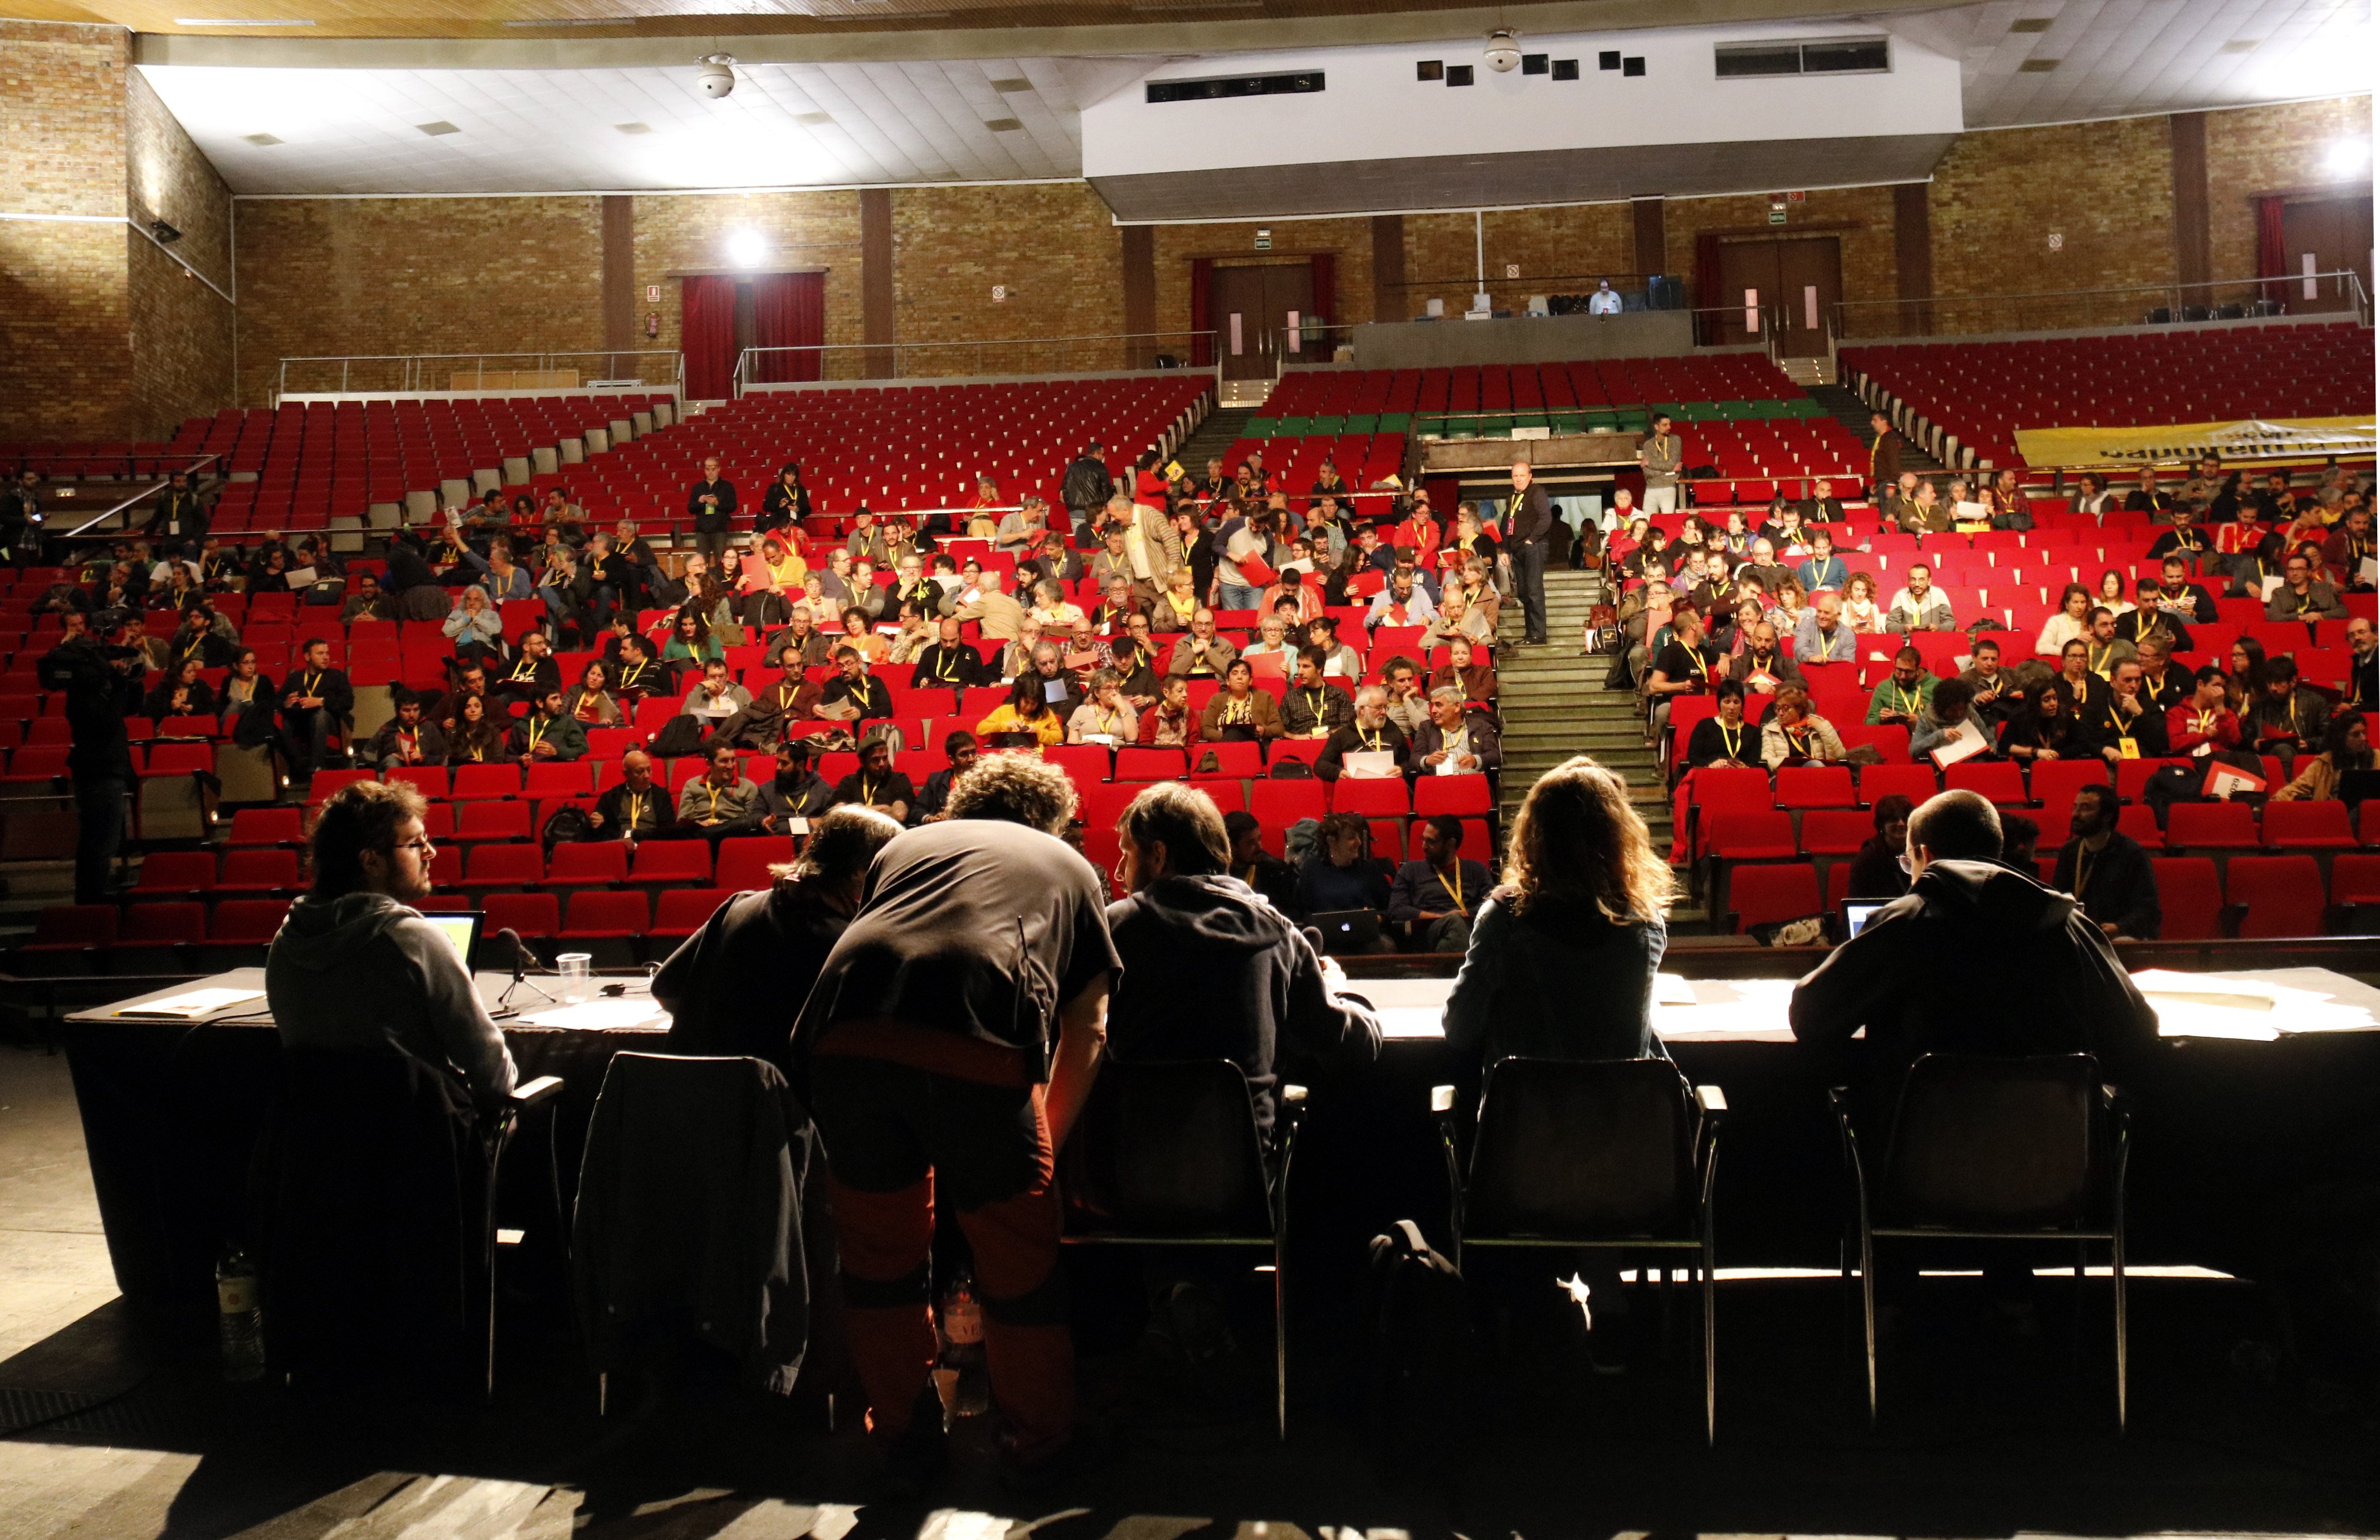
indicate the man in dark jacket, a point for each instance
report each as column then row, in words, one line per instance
column 710, row 503
column 100, row 680
column 2109, row 870
column 1434, row 898
column 1270, row 877
column 1900, row 977
column 797, row 791
column 1528, row 524
column 1884, row 457
column 734, row 987
column 935, row 795
column 1087, row 486
column 1210, row 970
column 316, row 701
column 180, row 521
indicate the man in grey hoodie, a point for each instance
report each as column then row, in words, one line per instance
column 1210, row 969
column 356, row 971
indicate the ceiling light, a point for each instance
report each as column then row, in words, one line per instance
column 1003, row 126
column 239, row 22
column 2036, row 66
column 814, row 119
column 1011, row 87
column 166, row 235
column 745, row 248
column 634, row 127
column 2030, row 24
column 262, row 141
column 435, row 129
column 2239, row 45
column 2348, row 156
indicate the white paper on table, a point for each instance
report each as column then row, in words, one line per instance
column 1368, row 764
column 191, row 1004
column 599, row 1015
column 1670, row 989
column 1411, row 1022
column 2203, row 989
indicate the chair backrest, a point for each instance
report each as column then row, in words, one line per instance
column 1588, row 1149
column 1169, row 1149
column 1982, row 1143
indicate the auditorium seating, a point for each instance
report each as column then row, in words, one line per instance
column 1982, row 392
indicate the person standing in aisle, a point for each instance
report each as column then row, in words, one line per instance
column 1528, row 523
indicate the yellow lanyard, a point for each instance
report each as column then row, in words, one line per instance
column 1376, row 741
column 1734, row 740
column 1314, row 701
column 1239, row 711
column 1826, row 646
column 785, row 694
column 536, row 730
column 524, row 670
column 192, row 650
column 712, row 792
column 867, row 792
column 1906, row 703
column 1456, row 890
column 1799, row 741
column 628, row 680
column 636, row 809
column 2206, row 724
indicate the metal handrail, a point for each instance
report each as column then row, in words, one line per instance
column 1929, row 314
column 79, row 531
column 413, row 367
column 881, row 356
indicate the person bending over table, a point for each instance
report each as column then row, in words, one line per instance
column 1894, row 978
column 949, row 1044
column 734, row 988
column 354, row 970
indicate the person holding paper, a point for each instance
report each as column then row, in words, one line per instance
column 1371, row 733
column 717, row 697
column 1904, row 696
column 853, row 694
column 1456, row 740
column 355, row 969
column 1946, row 728
column 2288, row 718
column 2109, row 870
column 1762, row 666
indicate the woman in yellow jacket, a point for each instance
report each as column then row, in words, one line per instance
column 1026, row 712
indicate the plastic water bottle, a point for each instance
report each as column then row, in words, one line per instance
column 239, row 1317
column 960, row 1376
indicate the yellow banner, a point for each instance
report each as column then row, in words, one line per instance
column 2181, row 443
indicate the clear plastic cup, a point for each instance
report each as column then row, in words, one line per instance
column 577, row 971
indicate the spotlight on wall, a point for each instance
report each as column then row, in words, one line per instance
column 744, row 248
column 2348, row 156
column 717, row 76
column 166, row 235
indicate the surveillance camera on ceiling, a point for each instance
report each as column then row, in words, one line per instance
column 717, row 76
column 1503, row 52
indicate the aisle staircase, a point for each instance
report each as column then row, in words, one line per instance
column 1554, row 706
column 1213, row 439
column 1844, row 405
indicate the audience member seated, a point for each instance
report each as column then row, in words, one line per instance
column 933, row 798
column 876, row 783
column 721, row 801
column 1342, row 876
column 1239, row 712
column 183, row 693
column 1725, row 739
column 548, row 734
column 1904, row 696
column 734, row 988
column 1311, row 708
column 405, row 739
column 2303, row 596
column 1106, row 717
column 1901, row 977
column 1023, row 720
column 2127, row 725
column 1370, row 733
column 1457, row 740
column 533, row 673
column 1211, row 969
column 934, row 1078
column 1432, row 901
column 795, row 793
column 316, row 702
column 1170, row 724
column 474, row 735
column 2107, row 870
column 1685, row 665
column 1265, row 874
column 1467, row 670
column 2346, row 746
column 1878, row 868
column 635, row 808
column 1821, row 635
column 2288, row 718
column 1921, row 606
column 1201, row 654
column 2071, row 622
column 354, row 970
column 1761, row 665
column 1947, row 713
column 1795, row 734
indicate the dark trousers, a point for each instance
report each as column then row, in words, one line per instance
column 1529, row 577
column 310, row 737
column 902, row 1110
column 99, row 834
column 711, row 544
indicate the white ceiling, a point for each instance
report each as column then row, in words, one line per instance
column 356, row 129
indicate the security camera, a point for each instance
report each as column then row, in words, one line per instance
column 717, row 76
column 1503, row 52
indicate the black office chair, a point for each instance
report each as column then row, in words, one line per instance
column 377, row 1199
column 1993, row 1149
column 1170, row 1155
column 1612, row 1154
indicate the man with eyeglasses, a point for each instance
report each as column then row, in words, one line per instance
column 356, row 969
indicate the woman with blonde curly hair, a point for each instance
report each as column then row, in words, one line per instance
column 1563, row 955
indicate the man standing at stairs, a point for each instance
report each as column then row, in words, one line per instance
column 1883, row 456
column 1528, row 521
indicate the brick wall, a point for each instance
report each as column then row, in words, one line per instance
column 2259, row 150
column 2105, row 188
column 330, row 277
column 1349, row 241
column 182, row 330
column 1051, row 245
column 1558, row 251
column 799, row 232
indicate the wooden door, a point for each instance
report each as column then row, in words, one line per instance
column 2334, row 234
column 1809, row 282
column 1747, row 273
column 1251, row 307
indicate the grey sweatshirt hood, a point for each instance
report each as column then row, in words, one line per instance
column 1993, row 898
column 1216, row 910
column 323, row 935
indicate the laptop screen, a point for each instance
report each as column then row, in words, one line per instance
column 1856, row 913
column 460, row 931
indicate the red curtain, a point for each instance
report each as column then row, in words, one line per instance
column 1706, row 281
column 788, row 311
column 1202, row 346
column 1326, row 286
column 706, row 333
column 2272, row 251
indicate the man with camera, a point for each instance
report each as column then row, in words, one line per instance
column 100, row 678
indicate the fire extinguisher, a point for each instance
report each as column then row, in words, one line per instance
column 653, row 324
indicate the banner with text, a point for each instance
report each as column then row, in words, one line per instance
column 2181, row 443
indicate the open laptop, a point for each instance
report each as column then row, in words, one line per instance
column 462, row 929
column 1347, row 931
column 1856, row 913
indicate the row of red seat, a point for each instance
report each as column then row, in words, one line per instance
column 2253, row 896
column 1496, row 387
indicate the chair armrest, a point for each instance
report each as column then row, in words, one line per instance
column 544, row 1088
column 1711, row 1100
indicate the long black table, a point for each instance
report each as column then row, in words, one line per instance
column 2226, row 1131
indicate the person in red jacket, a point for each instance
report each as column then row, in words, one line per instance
column 2206, row 722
